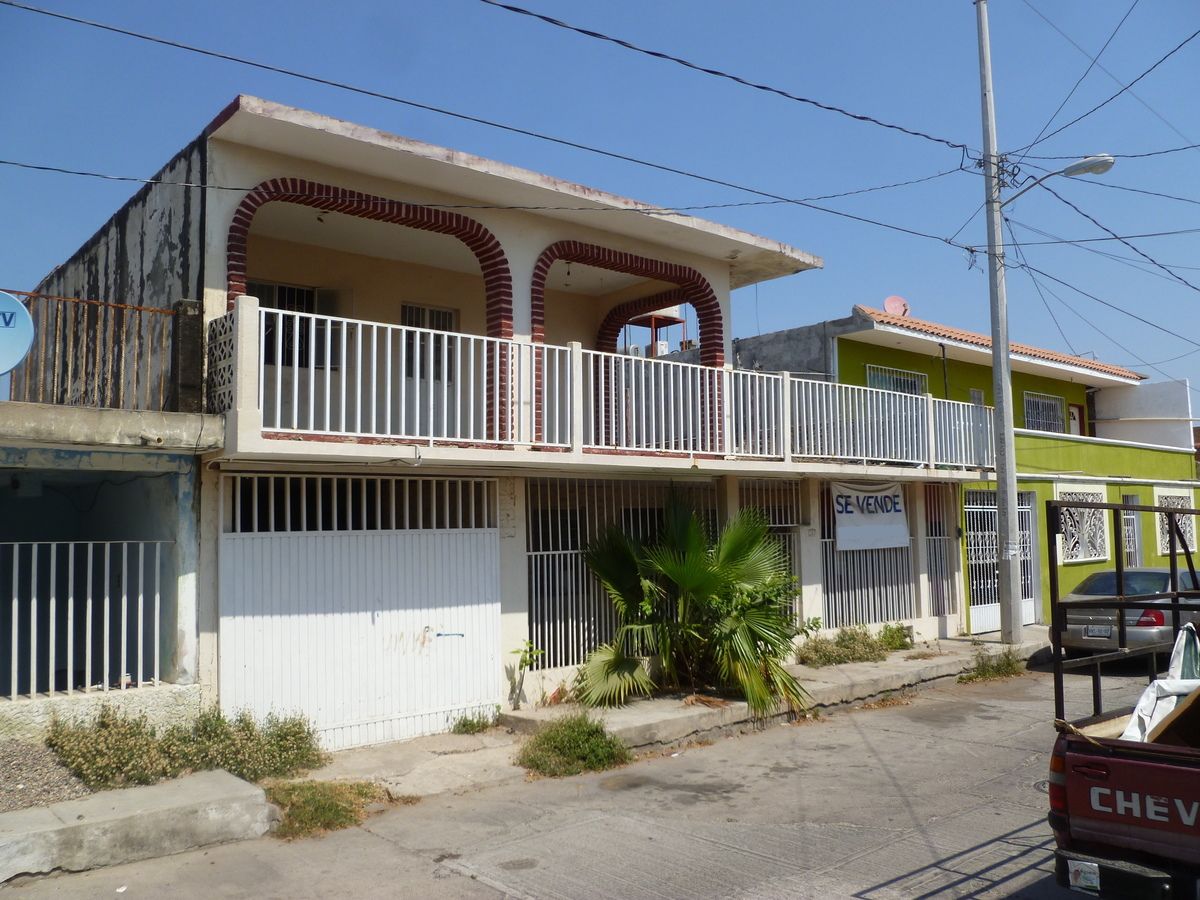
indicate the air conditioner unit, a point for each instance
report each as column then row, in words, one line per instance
column 634, row 350
column 661, row 348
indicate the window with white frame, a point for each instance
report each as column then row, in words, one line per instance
column 435, row 319
column 292, row 341
column 900, row 380
column 977, row 396
column 1084, row 535
column 1045, row 412
column 1175, row 499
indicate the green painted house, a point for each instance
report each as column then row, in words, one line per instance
column 1086, row 430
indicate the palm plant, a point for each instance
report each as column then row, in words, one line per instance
column 712, row 615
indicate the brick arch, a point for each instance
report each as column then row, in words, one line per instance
column 693, row 289
column 497, row 277
column 610, row 329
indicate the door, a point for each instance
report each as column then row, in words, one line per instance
column 982, row 575
column 384, row 629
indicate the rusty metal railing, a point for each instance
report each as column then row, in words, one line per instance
column 95, row 353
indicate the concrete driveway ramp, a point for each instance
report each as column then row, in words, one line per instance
column 122, row 826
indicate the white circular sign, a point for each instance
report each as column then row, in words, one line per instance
column 16, row 332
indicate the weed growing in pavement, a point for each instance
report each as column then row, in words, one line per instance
column 477, row 723
column 895, row 636
column 310, row 808
column 853, row 644
column 118, row 750
column 571, row 745
column 1003, row 665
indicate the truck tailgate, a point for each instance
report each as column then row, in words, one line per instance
column 1141, row 797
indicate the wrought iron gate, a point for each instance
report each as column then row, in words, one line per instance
column 982, row 574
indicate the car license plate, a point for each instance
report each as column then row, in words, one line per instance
column 1083, row 876
column 1097, row 631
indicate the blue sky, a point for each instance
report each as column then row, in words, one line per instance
column 80, row 98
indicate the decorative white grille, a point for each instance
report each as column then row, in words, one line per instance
column 220, row 364
column 1187, row 524
column 1084, row 531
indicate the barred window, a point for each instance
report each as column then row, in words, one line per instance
column 1187, row 524
column 1084, row 531
column 899, row 380
column 1045, row 412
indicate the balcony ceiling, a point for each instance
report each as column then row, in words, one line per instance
column 350, row 234
column 273, row 127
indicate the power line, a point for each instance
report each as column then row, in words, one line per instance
column 1093, row 61
column 1145, row 155
column 1123, row 89
column 1133, row 190
column 1146, row 256
column 1096, row 61
column 717, row 73
column 1094, row 240
column 482, row 121
column 1109, row 304
column 1128, row 260
column 639, row 209
column 1021, row 255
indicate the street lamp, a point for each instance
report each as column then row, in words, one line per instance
column 1008, row 538
column 1089, row 165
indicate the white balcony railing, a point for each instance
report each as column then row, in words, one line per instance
column 651, row 405
column 323, row 375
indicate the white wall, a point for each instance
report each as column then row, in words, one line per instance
column 1157, row 413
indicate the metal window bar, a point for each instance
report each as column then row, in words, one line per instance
column 569, row 613
column 900, row 380
column 82, row 616
column 1045, row 412
column 268, row 504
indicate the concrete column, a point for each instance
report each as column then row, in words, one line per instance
column 514, row 571
column 729, row 498
column 207, row 597
column 245, row 418
column 812, row 584
column 785, row 416
column 182, row 648
column 919, row 528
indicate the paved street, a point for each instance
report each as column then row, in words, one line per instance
column 943, row 797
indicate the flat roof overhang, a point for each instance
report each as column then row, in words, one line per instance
column 254, row 122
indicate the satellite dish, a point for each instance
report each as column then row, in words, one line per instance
column 895, row 306
column 16, row 332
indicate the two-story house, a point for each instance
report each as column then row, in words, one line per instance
column 1085, row 430
column 412, row 355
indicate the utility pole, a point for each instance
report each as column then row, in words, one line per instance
column 1008, row 539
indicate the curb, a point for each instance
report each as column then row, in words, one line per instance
column 120, row 826
column 830, row 688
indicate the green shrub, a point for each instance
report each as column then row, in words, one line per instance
column 571, row 745
column 475, row 724
column 1003, row 665
column 314, row 807
column 116, row 750
column 853, row 644
column 895, row 636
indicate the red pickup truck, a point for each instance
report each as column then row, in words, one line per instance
column 1125, row 814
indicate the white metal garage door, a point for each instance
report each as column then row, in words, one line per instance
column 370, row 605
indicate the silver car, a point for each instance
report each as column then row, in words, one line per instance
column 1096, row 629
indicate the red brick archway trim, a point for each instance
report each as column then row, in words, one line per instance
column 619, row 316
column 694, row 289
column 497, row 277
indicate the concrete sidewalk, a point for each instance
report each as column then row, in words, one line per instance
column 450, row 763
